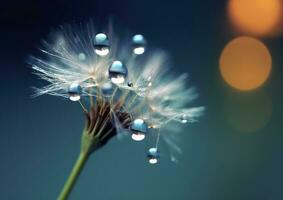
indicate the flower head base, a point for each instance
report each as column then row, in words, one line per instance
column 119, row 91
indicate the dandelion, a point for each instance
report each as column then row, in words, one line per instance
column 124, row 89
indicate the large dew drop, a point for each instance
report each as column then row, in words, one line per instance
column 139, row 129
column 118, row 72
column 74, row 91
column 101, row 44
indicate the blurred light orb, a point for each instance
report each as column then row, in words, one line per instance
column 248, row 112
column 257, row 17
column 245, row 63
column 82, row 56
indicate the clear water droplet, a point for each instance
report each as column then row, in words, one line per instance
column 130, row 84
column 153, row 155
column 75, row 91
column 139, row 129
column 139, row 44
column 107, row 89
column 101, row 44
column 184, row 119
column 117, row 72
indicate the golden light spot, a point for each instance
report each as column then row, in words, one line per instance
column 257, row 17
column 245, row 63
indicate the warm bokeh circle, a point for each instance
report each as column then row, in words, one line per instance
column 257, row 17
column 245, row 63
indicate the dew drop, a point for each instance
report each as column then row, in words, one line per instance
column 107, row 89
column 117, row 72
column 138, row 44
column 153, row 155
column 74, row 91
column 101, row 44
column 184, row 119
column 139, row 129
column 130, row 84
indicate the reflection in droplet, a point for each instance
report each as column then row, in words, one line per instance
column 184, row 119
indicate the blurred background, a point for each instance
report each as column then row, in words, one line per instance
column 232, row 50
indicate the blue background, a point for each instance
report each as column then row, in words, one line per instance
column 39, row 138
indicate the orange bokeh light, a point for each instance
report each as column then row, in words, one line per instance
column 245, row 63
column 258, row 17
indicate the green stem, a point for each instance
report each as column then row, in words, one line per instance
column 83, row 156
column 88, row 145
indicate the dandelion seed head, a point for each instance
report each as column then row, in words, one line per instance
column 127, row 95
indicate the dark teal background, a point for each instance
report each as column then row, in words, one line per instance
column 39, row 138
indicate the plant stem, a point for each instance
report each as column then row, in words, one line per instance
column 83, row 156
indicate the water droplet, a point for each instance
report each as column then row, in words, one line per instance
column 139, row 43
column 107, row 89
column 139, row 129
column 117, row 72
column 184, row 119
column 153, row 155
column 101, row 44
column 152, row 126
column 74, row 91
column 130, row 84
column 81, row 56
